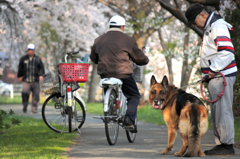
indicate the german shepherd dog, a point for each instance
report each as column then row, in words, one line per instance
column 181, row 111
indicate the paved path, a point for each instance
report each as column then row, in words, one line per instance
column 151, row 140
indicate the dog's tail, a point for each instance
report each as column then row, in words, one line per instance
column 197, row 127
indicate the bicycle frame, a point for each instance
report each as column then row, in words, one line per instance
column 116, row 84
column 123, row 105
column 120, row 98
column 114, row 108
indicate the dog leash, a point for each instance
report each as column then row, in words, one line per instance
column 220, row 94
column 204, row 79
column 196, row 82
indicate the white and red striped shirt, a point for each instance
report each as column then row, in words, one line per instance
column 217, row 52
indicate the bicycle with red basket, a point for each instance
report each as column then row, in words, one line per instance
column 63, row 110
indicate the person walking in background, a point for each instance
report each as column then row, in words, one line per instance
column 217, row 55
column 30, row 70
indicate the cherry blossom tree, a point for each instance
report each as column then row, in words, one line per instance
column 11, row 25
column 55, row 26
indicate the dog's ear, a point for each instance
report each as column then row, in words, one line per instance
column 165, row 80
column 165, row 83
column 153, row 81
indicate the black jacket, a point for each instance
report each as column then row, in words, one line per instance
column 30, row 70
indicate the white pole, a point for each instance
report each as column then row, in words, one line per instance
column 11, row 91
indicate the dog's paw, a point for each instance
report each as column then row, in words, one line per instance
column 201, row 155
column 165, row 152
column 177, row 154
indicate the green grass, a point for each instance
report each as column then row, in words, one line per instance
column 150, row 115
column 94, row 108
column 8, row 100
column 15, row 100
column 33, row 139
column 237, row 130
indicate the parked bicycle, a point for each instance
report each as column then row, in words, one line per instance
column 114, row 108
column 63, row 111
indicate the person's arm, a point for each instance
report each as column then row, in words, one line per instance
column 20, row 70
column 138, row 56
column 93, row 54
column 225, row 49
column 41, row 68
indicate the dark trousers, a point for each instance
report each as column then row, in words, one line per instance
column 130, row 91
column 26, row 90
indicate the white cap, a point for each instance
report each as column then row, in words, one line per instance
column 117, row 21
column 31, row 47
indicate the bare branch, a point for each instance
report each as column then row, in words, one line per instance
column 214, row 3
column 177, row 4
column 8, row 6
column 204, row 2
column 179, row 15
column 161, row 39
column 238, row 3
column 111, row 5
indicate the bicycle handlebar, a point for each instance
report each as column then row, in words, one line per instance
column 70, row 54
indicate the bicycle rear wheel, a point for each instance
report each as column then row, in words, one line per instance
column 131, row 136
column 56, row 115
column 111, row 124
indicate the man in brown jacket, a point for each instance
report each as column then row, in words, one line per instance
column 113, row 52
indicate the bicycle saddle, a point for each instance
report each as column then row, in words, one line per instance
column 110, row 81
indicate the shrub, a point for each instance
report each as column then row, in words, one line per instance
column 4, row 120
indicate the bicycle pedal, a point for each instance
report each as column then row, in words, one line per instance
column 130, row 127
column 58, row 106
column 99, row 117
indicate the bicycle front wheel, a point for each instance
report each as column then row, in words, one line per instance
column 56, row 115
column 111, row 124
column 131, row 136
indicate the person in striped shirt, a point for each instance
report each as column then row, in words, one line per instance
column 217, row 55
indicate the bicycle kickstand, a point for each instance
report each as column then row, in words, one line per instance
column 79, row 131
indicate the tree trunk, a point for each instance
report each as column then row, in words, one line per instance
column 93, row 84
column 141, row 39
column 185, row 67
column 170, row 71
column 168, row 58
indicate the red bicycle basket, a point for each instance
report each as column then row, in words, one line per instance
column 74, row 72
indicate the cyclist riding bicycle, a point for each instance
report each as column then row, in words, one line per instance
column 115, row 52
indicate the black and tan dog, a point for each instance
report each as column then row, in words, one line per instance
column 181, row 111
